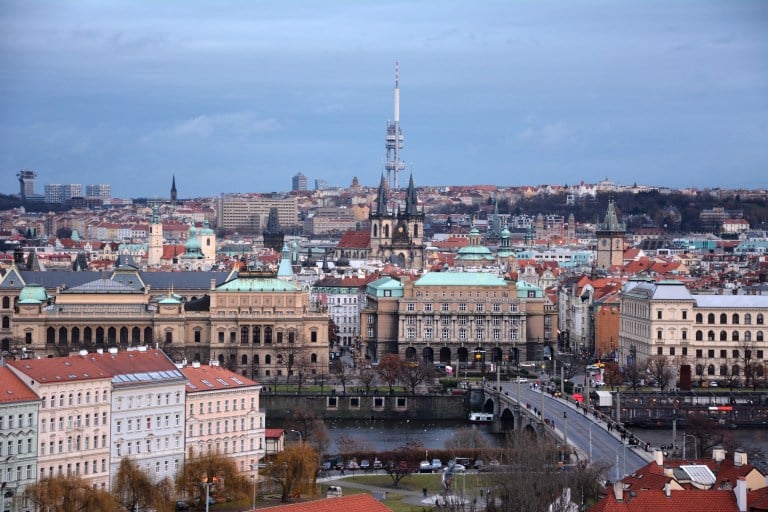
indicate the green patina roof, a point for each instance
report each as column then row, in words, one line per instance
column 33, row 294
column 257, row 284
column 379, row 286
column 460, row 279
column 523, row 287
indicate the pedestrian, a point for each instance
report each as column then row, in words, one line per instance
column 424, row 492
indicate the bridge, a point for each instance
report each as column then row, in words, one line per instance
column 520, row 406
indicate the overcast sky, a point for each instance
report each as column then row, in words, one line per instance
column 240, row 95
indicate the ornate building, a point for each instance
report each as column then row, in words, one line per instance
column 252, row 322
column 397, row 234
column 722, row 337
column 457, row 316
column 610, row 240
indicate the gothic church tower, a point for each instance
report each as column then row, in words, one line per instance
column 397, row 234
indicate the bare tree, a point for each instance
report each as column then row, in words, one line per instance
column 295, row 470
column 414, row 373
column 214, row 471
column 468, row 438
column 749, row 363
column 69, row 494
column 313, row 429
column 660, row 368
column 367, row 377
column 633, row 375
column 708, row 433
column 342, row 372
column 133, row 487
column 612, row 374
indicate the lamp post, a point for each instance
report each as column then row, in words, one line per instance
column 695, row 446
column 253, row 467
column 624, row 446
column 301, row 437
column 565, row 429
column 591, row 424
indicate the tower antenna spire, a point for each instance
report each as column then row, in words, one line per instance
column 394, row 138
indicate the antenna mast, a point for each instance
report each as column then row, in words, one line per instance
column 394, row 139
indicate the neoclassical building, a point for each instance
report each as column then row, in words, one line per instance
column 252, row 322
column 457, row 317
column 720, row 336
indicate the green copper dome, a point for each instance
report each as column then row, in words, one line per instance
column 33, row 294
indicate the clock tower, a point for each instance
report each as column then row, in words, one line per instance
column 610, row 240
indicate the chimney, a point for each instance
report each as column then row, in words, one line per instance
column 195, row 364
column 618, row 490
column 658, row 457
column 739, row 458
column 668, row 490
column 741, row 494
column 718, row 453
column 113, row 350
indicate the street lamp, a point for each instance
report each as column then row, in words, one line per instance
column 624, row 446
column 253, row 467
column 301, row 437
column 591, row 424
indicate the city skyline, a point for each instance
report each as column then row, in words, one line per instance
column 241, row 98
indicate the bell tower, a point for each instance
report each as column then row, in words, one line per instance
column 610, row 240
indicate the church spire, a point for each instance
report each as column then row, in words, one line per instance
column 381, row 199
column 173, row 189
column 410, row 199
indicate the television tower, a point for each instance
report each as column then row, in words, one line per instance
column 394, row 139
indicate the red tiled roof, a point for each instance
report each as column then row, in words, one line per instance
column 678, row 501
column 273, row 433
column 355, row 240
column 15, row 389
column 60, row 369
column 133, row 361
column 351, row 503
column 213, row 377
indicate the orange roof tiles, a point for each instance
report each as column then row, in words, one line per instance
column 351, row 503
column 15, row 389
column 355, row 240
column 206, row 378
column 60, row 369
column 678, row 501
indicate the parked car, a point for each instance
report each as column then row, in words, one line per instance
column 326, row 466
column 425, row 466
column 437, row 464
column 334, row 491
column 457, row 468
column 521, row 379
column 352, row 464
column 479, row 465
column 377, row 463
column 365, row 464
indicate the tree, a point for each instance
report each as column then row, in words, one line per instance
column 389, row 370
column 367, row 377
column 468, row 438
column 342, row 372
column 295, row 470
column 133, row 488
column 660, row 368
column 633, row 375
column 708, row 433
column 612, row 374
column 313, row 430
column 217, row 472
column 413, row 373
column 399, row 470
column 69, row 494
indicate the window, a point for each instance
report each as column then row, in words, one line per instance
column 671, row 351
column 759, row 319
column 685, row 315
column 480, row 308
column 313, row 336
column 444, row 307
column 723, row 318
column 428, row 307
column 747, row 319
column 658, row 334
column 699, row 318
column 685, row 335
column 735, row 319
column 699, row 353
column 410, row 306
column 659, row 350
column 462, row 306
column 658, row 315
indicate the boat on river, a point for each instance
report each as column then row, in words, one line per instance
column 480, row 417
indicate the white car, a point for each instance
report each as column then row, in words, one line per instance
column 457, row 468
column 521, row 379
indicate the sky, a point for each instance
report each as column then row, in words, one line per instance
column 238, row 96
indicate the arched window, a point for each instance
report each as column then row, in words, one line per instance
column 6, row 322
column 723, row 336
column 75, row 335
column 135, row 335
column 699, row 318
column 313, row 358
column 87, row 335
column 6, row 303
column 711, row 369
column 699, row 336
column 256, row 359
column 99, row 335
column 759, row 336
column 244, row 359
column 147, row 335
column 699, row 370
column 723, row 318
column 375, row 230
column 62, row 335
column 50, row 336
column 386, row 230
column 748, row 336
column 415, row 230
column 267, row 359
column 735, row 319
column 759, row 319
column 735, row 370
column 124, row 335
column 279, row 358
column 256, row 334
column 711, row 318
column 735, row 336
column 221, row 359
column 112, row 335
column 268, row 334
column 723, row 370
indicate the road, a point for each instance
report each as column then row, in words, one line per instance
column 590, row 437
